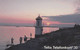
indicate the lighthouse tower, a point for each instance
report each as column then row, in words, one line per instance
column 38, row 27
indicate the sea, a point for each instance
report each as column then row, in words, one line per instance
column 7, row 32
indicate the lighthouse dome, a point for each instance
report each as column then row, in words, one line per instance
column 39, row 18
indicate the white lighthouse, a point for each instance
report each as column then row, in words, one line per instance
column 38, row 27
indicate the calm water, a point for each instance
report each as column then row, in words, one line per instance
column 6, row 32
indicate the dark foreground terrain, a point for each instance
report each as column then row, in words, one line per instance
column 61, row 37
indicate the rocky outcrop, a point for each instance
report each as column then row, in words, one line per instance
column 62, row 37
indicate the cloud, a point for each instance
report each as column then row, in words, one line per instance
column 77, row 6
column 9, row 21
column 71, row 18
column 64, row 20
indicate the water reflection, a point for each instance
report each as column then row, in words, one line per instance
column 6, row 32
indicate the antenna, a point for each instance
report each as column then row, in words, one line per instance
column 39, row 15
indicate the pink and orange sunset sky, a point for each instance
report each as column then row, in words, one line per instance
column 18, row 12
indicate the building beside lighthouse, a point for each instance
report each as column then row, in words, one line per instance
column 38, row 27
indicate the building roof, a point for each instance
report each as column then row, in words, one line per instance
column 39, row 18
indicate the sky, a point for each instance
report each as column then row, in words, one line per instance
column 53, row 12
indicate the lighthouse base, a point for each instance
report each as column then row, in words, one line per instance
column 37, row 36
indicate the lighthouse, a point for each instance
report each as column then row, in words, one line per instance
column 38, row 27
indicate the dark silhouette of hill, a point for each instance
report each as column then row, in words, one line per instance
column 61, row 37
